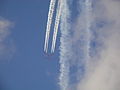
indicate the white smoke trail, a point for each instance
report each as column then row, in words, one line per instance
column 64, row 47
column 81, row 41
column 57, row 20
column 67, row 54
column 66, row 42
column 88, row 17
column 49, row 22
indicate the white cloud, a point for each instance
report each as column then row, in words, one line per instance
column 103, row 73
column 6, row 45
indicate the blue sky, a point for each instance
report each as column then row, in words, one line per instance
column 29, row 68
column 87, row 55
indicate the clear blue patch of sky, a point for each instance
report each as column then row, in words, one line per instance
column 30, row 68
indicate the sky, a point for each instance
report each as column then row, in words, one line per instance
column 23, row 63
column 87, row 52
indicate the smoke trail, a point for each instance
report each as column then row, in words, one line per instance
column 81, row 43
column 66, row 44
column 64, row 47
column 57, row 20
column 80, row 40
column 88, row 17
column 50, row 16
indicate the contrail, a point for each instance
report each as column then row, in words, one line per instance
column 83, row 35
column 57, row 20
column 64, row 47
column 64, row 63
column 49, row 22
column 88, row 11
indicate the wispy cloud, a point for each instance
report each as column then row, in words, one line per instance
column 90, row 55
column 103, row 72
column 6, row 45
column 64, row 47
